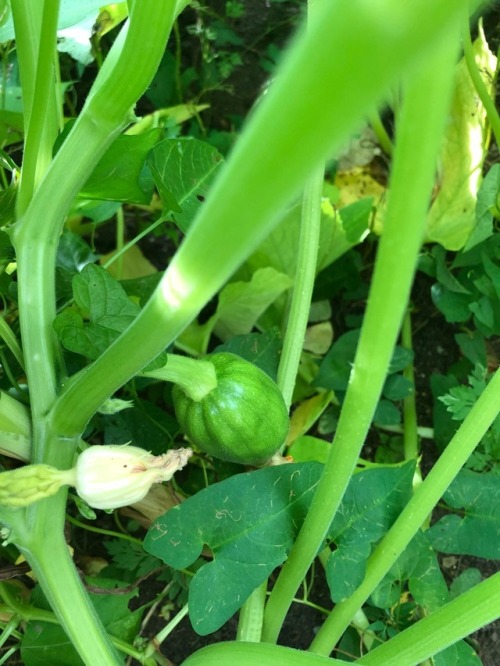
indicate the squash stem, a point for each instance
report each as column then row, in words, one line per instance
column 196, row 378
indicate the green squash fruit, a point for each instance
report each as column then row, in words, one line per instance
column 244, row 419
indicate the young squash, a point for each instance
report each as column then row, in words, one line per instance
column 244, row 419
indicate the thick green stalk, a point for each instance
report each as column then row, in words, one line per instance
column 417, row 145
column 42, row 128
column 35, row 238
column 414, row 514
column 457, row 619
column 249, row 654
column 35, row 46
column 36, row 235
column 51, row 562
column 279, row 149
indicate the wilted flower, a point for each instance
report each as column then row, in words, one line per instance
column 109, row 477
column 106, row 477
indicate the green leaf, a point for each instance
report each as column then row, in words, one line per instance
column 147, row 424
column 73, row 253
column 103, row 301
column 419, row 567
column 261, row 349
column 386, row 414
column 397, row 387
column 372, row 502
column 11, row 127
column 338, row 233
column 335, row 368
column 460, row 653
column 487, row 198
column 454, row 306
column 307, row 448
column 473, row 346
column 183, row 170
column 475, row 527
column 242, row 303
column 120, row 175
column 465, row 581
column 249, row 522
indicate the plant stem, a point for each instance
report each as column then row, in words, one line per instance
column 252, row 615
column 415, row 513
column 195, row 377
column 57, row 575
column 409, row 407
column 35, row 46
column 39, row 138
column 418, row 140
column 380, row 132
column 303, row 285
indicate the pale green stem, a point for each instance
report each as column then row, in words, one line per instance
column 418, row 141
column 166, row 631
column 120, row 241
column 457, row 619
column 380, row 132
column 258, row 180
column 41, row 131
column 415, row 513
column 303, row 285
column 409, row 406
column 251, row 616
column 58, row 577
column 196, row 377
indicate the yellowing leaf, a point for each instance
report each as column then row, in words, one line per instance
column 358, row 183
column 132, row 264
column 306, row 415
column 452, row 215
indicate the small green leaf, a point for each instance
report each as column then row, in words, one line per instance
column 475, row 527
column 372, row 502
column 261, row 349
column 386, row 414
column 460, row 653
column 183, row 170
column 120, row 174
column 455, row 307
column 419, row 567
column 486, row 204
column 397, row 387
column 103, row 301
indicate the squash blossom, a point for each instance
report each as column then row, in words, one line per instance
column 106, row 477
